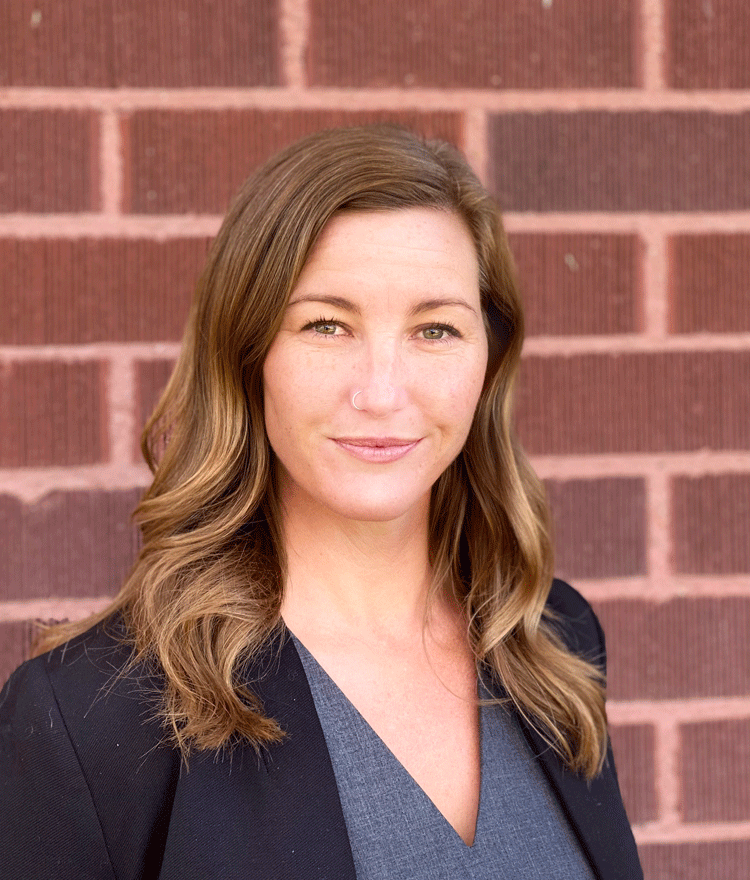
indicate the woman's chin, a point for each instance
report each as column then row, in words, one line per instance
column 380, row 512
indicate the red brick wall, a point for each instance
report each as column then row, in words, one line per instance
column 617, row 136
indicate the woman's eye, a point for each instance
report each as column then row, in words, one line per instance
column 439, row 331
column 325, row 328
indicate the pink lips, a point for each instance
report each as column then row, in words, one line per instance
column 379, row 450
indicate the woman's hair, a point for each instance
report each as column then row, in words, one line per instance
column 205, row 592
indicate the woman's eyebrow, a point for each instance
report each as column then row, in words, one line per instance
column 338, row 302
column 428, row 305
column 341, row 302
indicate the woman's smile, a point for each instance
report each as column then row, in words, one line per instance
column 378, row 450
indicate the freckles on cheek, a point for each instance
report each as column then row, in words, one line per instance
column 462, row 393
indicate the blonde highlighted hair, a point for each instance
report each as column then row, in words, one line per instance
column 205, row 592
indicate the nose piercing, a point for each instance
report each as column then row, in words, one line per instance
column 354, row 399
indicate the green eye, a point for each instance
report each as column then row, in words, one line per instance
column 433, row 333
column 326, row 328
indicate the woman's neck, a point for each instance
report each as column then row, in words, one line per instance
column 344, row 575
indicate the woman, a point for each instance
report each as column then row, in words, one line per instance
column 342, row 626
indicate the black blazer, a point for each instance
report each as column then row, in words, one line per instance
column 87, row 791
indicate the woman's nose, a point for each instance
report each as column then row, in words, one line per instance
column 381, row 388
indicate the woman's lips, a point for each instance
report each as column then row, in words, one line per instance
column 379, row 450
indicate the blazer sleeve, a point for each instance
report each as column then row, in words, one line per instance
column 49, row 826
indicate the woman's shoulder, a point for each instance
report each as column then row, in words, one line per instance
column 78, row 671
column 82, row 761
column 90, row 689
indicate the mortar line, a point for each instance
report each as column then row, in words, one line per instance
column 690, row 832
column 111, row 163
column 166, row 226
column 658, row 527
column 678, row 710
column 666, row 769
column 655, row 277
column 121, row 393
column 51, row 609
column 294, row 27
column 475, row 146
column 653, row 45
column 293, row 97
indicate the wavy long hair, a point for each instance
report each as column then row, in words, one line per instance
column 205, row 592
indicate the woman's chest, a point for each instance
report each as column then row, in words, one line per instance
column 426, row 715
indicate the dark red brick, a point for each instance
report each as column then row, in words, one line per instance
column 78, row 543
column 633, row 747
column 483, row 44
column 579, row 284
column 57, row 44
column 718, row 860
column 708, row 47
column 715, row 771
column 711, row 523
column 53, row 414
column 196, row 43
column 151, row 379
column 139, row 43
column 15, row 645
column 709, row 283
column 91, row 290
column 600, row 527
column 194, row 161
column 11, row 543
column 48, row 161
column 646, row 402
column 677, row 649
column 629, row 161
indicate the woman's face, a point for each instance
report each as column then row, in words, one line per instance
column 387, row 308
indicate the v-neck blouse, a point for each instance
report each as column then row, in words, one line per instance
column 397, row 833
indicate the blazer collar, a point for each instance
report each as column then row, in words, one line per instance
column 300, row 777
column 276, row 815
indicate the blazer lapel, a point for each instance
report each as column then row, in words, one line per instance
column 300, row 779
column 276, row 815
column 595, row 811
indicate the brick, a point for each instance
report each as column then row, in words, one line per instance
column 11, row 544
column 15, row 645
column 140, row 43
column 182, row 161
column 708, row 47
column 633, row 747
column 711, row 523
column 709, row 289
column 53, row 414
column 718, row 860
column 627, row 161
column 643, row 402
column 76, row 543
column 483, row 44
column 56, row 44
column 196, row 43
column 75, row 291
column 151, row 379
column 600, row 527
column 48, row 161
column 577, row 284
column 677, row 649
column 715, row 771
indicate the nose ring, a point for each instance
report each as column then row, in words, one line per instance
column 355, row 398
